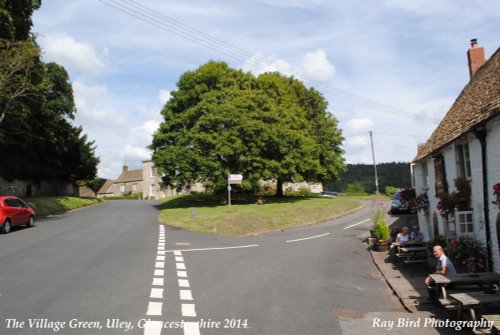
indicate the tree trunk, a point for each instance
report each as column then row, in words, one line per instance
column 279, row 187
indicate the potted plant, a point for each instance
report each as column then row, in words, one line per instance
column 381, row 232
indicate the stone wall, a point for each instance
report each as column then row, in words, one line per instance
column 23, row 188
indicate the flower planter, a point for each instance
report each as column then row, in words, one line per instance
column 384, row 246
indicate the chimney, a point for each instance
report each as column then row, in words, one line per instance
column 475, row 55
column 125, row 168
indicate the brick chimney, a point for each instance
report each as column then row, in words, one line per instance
column 125, row 168
column 475, row 55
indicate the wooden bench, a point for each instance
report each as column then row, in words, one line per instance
column 413, row 254
column 474, row 300
column 495, row 318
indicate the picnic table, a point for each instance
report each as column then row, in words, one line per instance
column 461, row 279
column 411, row 252
column 474, row 300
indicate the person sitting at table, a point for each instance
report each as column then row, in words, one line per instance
column 416, row 235
column 403, row 237
column 444, row 267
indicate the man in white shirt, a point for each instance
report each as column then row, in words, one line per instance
column 444, row 267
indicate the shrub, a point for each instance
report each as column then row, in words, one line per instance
column 390, row 190
column 468, row 252
column 381, row 230
column 356, row 188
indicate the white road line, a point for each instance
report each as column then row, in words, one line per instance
column 183, row 283
column 160, row 258
column 182, row 274
column 179, row 259
column 161, row 248
column 160, row 265
column 191, row 328
column 188, row 310
column 186, row 294
column 156, row 293
column 357, row 224
column 154, row 308
column 307, row 238
column 158, row 281
column 161, row 252
column 161, row 244
column 159, row 272
column 178, row 252
column 153, row 327
column 180, row 266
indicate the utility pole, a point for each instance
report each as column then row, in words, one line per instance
column 374, row 163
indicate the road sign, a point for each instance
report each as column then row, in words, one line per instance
column 235, row 179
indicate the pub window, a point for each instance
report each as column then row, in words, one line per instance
column 463, row 160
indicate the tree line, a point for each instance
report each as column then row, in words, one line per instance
column 360, row 178
column 37, row 138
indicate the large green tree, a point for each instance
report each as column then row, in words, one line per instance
column 38, row 140
column 221, row 120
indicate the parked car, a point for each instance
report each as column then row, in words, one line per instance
column 15, row 212
column 330, row 194
column 403, row 201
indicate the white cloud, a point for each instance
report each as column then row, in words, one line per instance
column 164, row 96
column 143, row 133
column 360, row 124
column 358, row 141
column 258, row 64
column 317, row 67
column 81, row 56
column 134, row 153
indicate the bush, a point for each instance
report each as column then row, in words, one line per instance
column 381, row 230
column 469, row 253
column 301, row 192
column 355, row 187
column 390, row 190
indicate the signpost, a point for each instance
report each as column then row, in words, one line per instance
column 234, row 179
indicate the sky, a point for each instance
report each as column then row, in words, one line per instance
column 393, row 67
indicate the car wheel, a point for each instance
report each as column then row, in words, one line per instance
column 6, row 227
column 31, row 222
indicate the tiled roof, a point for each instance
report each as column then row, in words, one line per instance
column 129, row 176
column 106, row 187
column 478, row 102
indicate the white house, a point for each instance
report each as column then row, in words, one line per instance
column 466, row 144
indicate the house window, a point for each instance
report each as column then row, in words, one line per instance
column 465, row 223
column 152, row 172
column 134, row 188
column 463, row 160
column 152, row 189
column 425, row 175
column 122, row 188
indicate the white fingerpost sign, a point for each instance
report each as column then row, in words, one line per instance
column 234, row 179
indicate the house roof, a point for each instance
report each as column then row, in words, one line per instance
column 478, row 102
column 106, row 187
column 129, row 176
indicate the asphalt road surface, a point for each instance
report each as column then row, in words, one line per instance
column 112, row 269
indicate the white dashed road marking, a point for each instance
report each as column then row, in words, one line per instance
column 186, row 295
column 357, row 224
column 179, row 252
column 307, row 238
column 154, row 308
column 188, row 310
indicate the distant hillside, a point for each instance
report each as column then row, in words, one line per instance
column 389, row 174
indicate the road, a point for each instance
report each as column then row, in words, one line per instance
column 112, row 269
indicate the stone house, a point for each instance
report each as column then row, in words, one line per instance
column 465, row 146
column 145, row 182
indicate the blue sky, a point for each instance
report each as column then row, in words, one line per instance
column 409, row 56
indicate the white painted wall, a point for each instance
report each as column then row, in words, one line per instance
column 493, row 153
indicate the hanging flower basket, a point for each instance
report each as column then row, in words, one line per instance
column 496, row 194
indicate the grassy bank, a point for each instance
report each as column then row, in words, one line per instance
column 44, row 206
column 244, row 219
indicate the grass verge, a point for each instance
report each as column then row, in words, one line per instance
column 44, row 206
column 246, row 219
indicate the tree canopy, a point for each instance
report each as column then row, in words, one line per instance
column 37, row 138
column 221, row 120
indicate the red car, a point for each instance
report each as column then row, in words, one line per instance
column 15, row 212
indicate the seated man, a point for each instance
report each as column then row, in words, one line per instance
column 416, row 235
column 444, row 267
